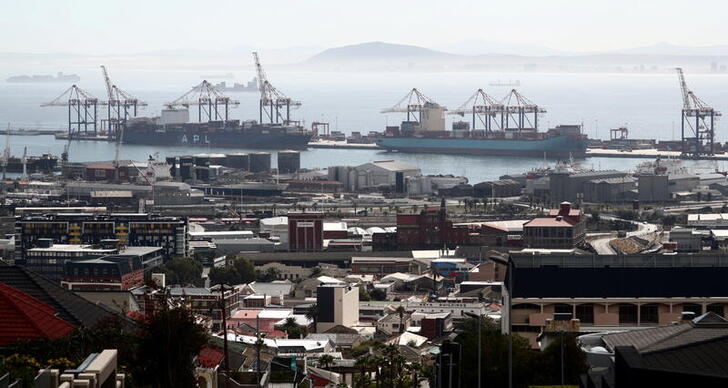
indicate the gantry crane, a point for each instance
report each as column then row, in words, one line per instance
column 520, row 111
column 700, row 119
column 82, row 110
column 484, row 108
column 412, row 103
column 212, row 105
column 272, row 100
column 121, row 105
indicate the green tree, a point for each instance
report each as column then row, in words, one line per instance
column 291, row 328
column 181, row 270
column 325, row 360
column 400, row 310
column 168, row 343
column 269, row 275
column 238, row 271
column 312, row 314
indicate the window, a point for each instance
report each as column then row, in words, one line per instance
column 585, row 313
column 627, row 313
column 649, row 313
column 716, row 308
column 693, row 307
column 564, row 311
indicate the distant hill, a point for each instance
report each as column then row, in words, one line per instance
column 664, row 48
column 379, row 51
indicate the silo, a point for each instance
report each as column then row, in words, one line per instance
column 289, row 162
column 238, row 160
column 186, row 167
column 217, row 159
column 260, row 162
column 202, row 160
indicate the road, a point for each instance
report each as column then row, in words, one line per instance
column 601, row 244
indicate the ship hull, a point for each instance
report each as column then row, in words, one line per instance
column 560, row 146
column 220, row 139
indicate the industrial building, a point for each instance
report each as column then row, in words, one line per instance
column 137, row 229
column 570, row 186
column 337, row 305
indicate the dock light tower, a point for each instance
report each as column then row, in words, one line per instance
column 699, row 119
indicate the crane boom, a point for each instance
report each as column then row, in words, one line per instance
column 684, row 89
column 109, row 87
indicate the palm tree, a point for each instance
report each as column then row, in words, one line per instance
column 325, row 360
column 400, row 310
column 415, row 368
column 363, row 362
column 291, row 327
column 312, row 314
column 391, row 351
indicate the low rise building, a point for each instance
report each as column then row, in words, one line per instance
column 337, row 305
column 687, row 239
column 563, row 229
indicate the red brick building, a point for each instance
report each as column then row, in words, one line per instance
column 431, row 229
column 305, row 232
column 563, row 229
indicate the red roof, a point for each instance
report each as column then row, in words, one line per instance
column 209, row 357
column 559, row 212
column 549, row 222
column 24, row 317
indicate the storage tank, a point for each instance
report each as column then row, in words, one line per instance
column 217, row 159
column 173, row 162
column 260, row 162
column 238, row 160
column 202, row 160
column 289, row 162
column 202, row 173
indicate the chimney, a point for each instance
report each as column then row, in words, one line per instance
column 559, row 218
column 565, row 208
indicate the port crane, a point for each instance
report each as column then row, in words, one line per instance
column 484, row 108
column 272, row 100
column 412, row 103
column 120, row 106
column 699, row 118
column 82, row 110
column 520, row 111
column 212, row 104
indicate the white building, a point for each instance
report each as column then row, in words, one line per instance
column 337, row 305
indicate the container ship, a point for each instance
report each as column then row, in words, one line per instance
column 562, row 141
column 509, row 130
column 230, row 134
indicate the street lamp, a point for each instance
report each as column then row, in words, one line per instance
column 509, row 263
column 480, row 330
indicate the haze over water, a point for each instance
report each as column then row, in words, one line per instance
column 649, row 104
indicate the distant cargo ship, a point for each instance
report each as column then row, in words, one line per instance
column 60, row 77
column 250, row 86
column 230, row 134
column 510, row 83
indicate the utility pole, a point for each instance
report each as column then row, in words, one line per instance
column 226, row 365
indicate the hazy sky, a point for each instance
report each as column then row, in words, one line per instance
column 111, row 26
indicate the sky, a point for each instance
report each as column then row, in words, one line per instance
column 132, row 26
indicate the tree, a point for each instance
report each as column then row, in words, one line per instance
column 291, row 328
column 181, row 270
column 325, row 360
column 312, row 314
column 168, row 343
column 269, row 275
column 400, row 310
column 378, row 295
column 315, row 272
column 238, row 271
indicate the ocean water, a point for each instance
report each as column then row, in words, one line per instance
column 648, row 104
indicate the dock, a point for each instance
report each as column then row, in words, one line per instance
column 343, row 145
column 649, row 153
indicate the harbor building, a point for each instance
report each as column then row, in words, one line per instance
column 564, row 228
